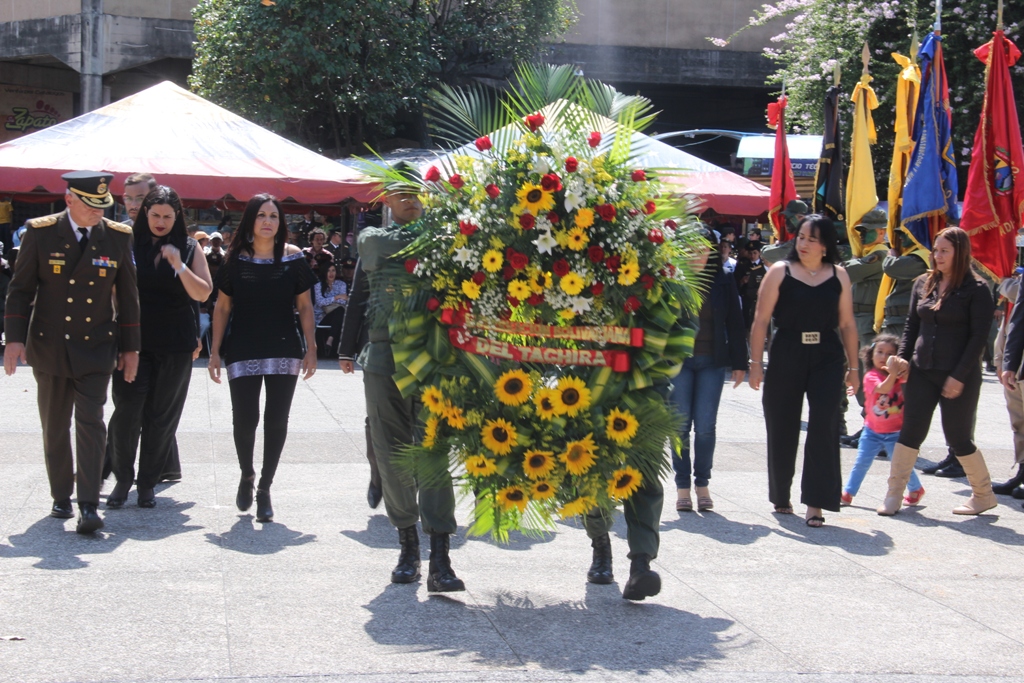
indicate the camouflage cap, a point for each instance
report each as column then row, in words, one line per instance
column 875, row 219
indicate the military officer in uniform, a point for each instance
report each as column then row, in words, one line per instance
column 904, row 264
column 73, row 264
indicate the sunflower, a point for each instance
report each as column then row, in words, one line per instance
column 512, row 497
column 533, row 198
column 571, row 283
column 539, row 281
column 433, row 399
column 430, row 431
column 471, row 289
column 579, row 455
column 542, row 490
column 573, row 395
column 624, row 483
column 480, row 466
column 577, row 239
column 456, row 420
column 629, row 272
column 621, row 426
column 584, row 218
column 577, row 507
column 538, row 464
column 493, row 260
column 519, row 289
column 499, row 436
column 513, row 388
column 547, row 403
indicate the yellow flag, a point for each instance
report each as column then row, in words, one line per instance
column 908, row 87
column 861, row 195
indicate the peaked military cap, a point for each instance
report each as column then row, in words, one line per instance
column 92, row 187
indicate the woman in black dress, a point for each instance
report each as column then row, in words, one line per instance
column 172, row 275
column 262, row 284
column 808, row 295
column 946, row 332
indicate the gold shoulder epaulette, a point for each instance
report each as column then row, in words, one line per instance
column 43, row 221
column 120, row 227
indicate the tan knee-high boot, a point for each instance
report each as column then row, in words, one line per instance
column 903, row 459
column 982, row 498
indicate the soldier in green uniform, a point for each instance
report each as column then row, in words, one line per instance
column 794, row 213
column 866, row 273
column 392, row 417
column 73, row 265
column 903, row 265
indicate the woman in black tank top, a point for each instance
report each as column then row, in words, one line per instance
column 808, row 296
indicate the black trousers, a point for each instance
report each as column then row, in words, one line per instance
column 245, row 411
column 146, row 416
column 817, row 371
column 922, row 392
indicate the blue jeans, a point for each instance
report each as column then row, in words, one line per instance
column 696, row 395
column 868, row 447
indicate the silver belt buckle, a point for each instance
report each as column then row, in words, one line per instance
column 811, row 337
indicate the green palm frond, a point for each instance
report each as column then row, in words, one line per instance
column 536, row 85
column 607, row 101
column 459, row 115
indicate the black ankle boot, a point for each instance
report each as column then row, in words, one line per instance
column 1005, row 488
column 408, row 568
column 117, row 497
column 643, row 582
column 243, row 499
column 264, row 510
column 946, row 462
column 601, row 567
column 440, row 577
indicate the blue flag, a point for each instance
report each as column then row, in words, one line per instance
column 929, row 194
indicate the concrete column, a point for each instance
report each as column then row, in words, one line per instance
column 92, row 55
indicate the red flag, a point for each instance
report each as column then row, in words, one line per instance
column 783, row 186
column 994, row 198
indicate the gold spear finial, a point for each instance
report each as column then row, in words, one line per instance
column 865, row 58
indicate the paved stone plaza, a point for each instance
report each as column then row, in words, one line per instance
column 195, row 591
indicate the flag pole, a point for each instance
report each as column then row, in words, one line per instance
column 837, row 73
column 999, row 16
column 865, row 58
column 938, row 17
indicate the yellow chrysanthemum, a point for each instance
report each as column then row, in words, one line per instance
column 430, row 431
column 546, row 401
column 577, row 507
column 621, row 425
column 480, row 466
column 433, row 399
column 538, row 464
column 571, row 283
column 624, row 483
column 520, row 289
column 629, row 272
column 493, row 260
column 539, row 281
column 542, row 490
column 567, row 314
column 533, row 198
column 578, row 239
column 584, row 218
column 499, row 436
column 512, row 497
column 454, row 416
column 513, row 388
column 579, row 456
column 471, row 289
column 573, row 395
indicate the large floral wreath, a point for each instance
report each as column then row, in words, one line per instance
column 541, row 312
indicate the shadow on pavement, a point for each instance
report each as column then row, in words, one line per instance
column 602, row 631
column 980, row 526
column 720, row 528
column 873, row 544
column 266, row 539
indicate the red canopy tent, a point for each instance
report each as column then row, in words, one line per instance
column 206, row 153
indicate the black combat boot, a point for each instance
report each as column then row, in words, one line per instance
column 946, row 462
column 441, row 578
column 1006, row 488
column 408, row 568
column 643, row 582
column 601, row 567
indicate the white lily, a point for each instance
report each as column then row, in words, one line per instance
column 574, row 201
column 580, row 304
column 545, row 242
column 463, row 256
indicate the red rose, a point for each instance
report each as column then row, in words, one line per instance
column 571, row 164
column 518, row 260
column 647, row 280
column 649, row 207
column 483, row 144
column 512, row 301
column 560, row 267
column 410, row 265
column 632, row 212
column 535, row 299
column 613, row 263
column 456, row 181
column 553, row 218
column 432, row 175
column 467, row 228
column 606, row 211
column 595, row 139
column 638, row 175
column 551, row 182
column 493, row 191
column 671, row 224
column 597, row 288
column 656, row 236
column 534, row 121
column 527, row 221
column 632, row 304
column 433, row 303
column 595, row 254
column 479, row 277
column 508, row 272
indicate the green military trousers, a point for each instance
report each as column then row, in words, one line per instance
column 643, row 518
column 393, row 425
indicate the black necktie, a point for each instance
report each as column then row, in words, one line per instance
column 85, row 238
